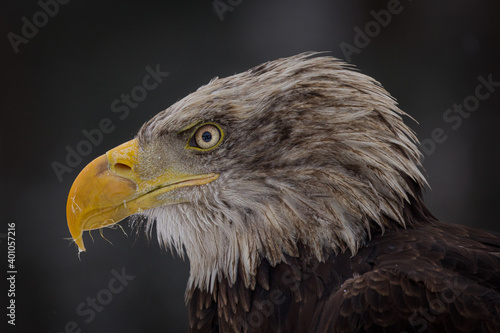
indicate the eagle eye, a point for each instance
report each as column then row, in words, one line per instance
column 206, row 137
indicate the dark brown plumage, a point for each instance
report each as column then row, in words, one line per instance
column 295, row 190
column 431, row 277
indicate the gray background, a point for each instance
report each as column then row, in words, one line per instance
column 65, row 78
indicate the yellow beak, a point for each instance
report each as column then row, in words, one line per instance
column 109, row 189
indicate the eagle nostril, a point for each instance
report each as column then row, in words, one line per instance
column 122, row 169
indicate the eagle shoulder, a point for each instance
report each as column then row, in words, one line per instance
column 427, row 278
column 435, row 277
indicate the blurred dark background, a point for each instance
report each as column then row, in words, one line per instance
column 64, row 79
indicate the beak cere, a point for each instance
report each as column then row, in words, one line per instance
column 109, row 189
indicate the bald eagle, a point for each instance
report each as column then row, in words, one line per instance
column 295, row 190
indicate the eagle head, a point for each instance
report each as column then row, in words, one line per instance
column 297, row 153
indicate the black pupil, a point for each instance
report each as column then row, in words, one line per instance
column 206, row 136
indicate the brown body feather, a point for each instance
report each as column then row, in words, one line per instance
column 432, row 277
